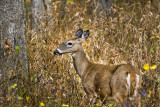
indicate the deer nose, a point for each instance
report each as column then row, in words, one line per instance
column 56, row 52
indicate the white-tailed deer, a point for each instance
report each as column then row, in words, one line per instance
column 118, row 82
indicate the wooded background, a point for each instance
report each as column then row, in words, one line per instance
column 122, row 31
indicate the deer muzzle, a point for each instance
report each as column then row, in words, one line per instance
column 56, row 52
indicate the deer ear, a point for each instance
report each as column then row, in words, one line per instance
column 79, row 33
column 85, row 34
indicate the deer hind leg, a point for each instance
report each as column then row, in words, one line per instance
column 119, row 100
column 139, row 100
column 107, row 100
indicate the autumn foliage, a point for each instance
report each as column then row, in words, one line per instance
column 131, row 36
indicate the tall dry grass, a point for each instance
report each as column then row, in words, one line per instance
column 131, row 36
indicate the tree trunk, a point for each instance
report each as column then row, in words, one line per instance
column 38, row 12
column 102, row 8
column 105, row 4
column 49, row 13
column 13, row 51
column 63, row 11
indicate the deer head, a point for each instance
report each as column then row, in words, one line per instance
column 74, row 44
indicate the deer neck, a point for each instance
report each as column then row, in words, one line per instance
column 80, row 62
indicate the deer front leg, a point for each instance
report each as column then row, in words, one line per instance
column 91, row 96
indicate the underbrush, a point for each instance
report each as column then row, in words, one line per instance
column 131, row 36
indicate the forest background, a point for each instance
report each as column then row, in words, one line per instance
column 121, row 31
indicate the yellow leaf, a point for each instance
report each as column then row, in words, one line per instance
column 153, row 67
column 64, row 105
column 49, row 0
column 20, row 98
column 49, row 33
column 159, row 79
column 146, row 67
column 27, row 98
column 42, row 104
column 68, row 1
column 44, row 46
column 149, row 93
column 42, row 23
column 110, row 105
column 14, row 86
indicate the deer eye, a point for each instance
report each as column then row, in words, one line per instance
column 69, row 43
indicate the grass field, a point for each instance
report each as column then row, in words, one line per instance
column 131, row 36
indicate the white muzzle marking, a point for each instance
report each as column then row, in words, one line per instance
column 59, row 50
